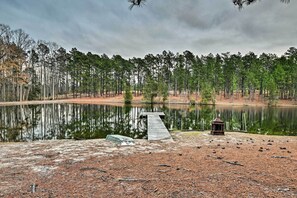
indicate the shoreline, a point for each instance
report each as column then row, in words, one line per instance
column 118, row 101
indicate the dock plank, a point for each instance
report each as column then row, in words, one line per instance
column 156, row 129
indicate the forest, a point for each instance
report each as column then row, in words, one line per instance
column 41, row 70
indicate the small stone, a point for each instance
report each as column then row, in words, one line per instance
column 180, row 154
column 198, row 147
column 279, row 157
column 283, row 189
column 269, row 144
column 223, row 147
column 260, row 150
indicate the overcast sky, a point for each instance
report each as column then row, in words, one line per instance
column 200, row 26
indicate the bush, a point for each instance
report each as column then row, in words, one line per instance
column 128, row 97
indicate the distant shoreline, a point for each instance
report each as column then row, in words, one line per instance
column 118, row 100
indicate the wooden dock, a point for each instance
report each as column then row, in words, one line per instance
column 156, row 129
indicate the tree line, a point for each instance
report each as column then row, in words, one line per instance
column 32, row 70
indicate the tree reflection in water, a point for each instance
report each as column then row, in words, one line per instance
column 62, row 121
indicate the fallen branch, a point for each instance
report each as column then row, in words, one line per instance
column 233, row 163
column 129, row 179
column 164, row 165
column 93, row 168
column 279, row 157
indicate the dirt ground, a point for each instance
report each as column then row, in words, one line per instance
column 195, row 164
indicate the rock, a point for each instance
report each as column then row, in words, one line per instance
column 283, row 189
column 33, row 188
column 120, row 139
column 279, row 157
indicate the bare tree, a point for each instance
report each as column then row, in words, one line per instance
column 241, row 3
column 238, row 3
column 13, row 47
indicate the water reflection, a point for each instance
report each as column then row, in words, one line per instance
column 60, row 121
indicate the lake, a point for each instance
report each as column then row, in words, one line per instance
column 87, row 121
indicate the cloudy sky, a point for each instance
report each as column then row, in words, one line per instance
column 201, row 26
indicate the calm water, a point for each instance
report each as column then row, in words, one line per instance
column 60, row 121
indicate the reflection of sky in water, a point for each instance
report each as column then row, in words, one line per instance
column 58, row 121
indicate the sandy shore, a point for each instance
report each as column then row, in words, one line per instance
column 119, row 101
column 194, row 165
